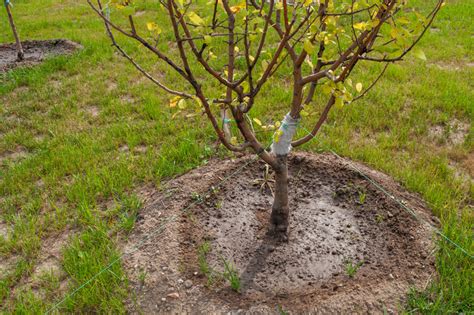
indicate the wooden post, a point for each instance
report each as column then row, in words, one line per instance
column 19, row 47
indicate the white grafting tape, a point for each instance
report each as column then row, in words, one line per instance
column 287, row 131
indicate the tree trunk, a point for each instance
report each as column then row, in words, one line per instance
column 280, row 208
column 19, row 48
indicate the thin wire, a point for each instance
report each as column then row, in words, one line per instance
column 148, row 237
column 401, row 203
column 410, row 211
column 156, row 232
column 173, row 218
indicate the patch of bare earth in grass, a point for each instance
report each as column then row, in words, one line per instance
column 140, row 149
column 94, row 111
column 462, row 166
column 139, row 13
column 8, row 263
column 127, row 99
column 18, row 153
column 468, row 164
column 124, row 148
column 452, row 133
column 359, row 138
column 111, row 85
column 454, row 65
column 19, row 90
column 48, row 266
column 4, row 229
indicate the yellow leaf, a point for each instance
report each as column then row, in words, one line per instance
column 174, row 101
column 394, row 33
column 196, row 19
column 276, row 136
column 236, row 8
column 198, row 101
column 153, row 27
column 374, row 22
column 150, row 26
column 307, row 3
column 182, row 104
column 359, row 87
column 257, row 121
column 308, row 46
column 403, row 20
column 362, row 26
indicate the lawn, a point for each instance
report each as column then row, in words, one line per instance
column 80, row 135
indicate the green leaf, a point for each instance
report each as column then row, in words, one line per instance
column 419, row 54
column 207, row 39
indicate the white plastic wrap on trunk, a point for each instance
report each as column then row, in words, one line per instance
column 287, row 131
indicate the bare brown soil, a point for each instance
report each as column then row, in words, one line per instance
column 35, row 52
column 338, row 219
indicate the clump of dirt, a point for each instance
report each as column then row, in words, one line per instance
column 351, row 248
column 35, row 52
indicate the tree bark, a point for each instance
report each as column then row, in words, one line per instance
column 280, row 208
column 19, row 47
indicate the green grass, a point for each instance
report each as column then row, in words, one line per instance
column 231, row 275
column 76, row 174
column 351, row 268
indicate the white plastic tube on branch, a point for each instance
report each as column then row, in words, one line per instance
column 282, row 139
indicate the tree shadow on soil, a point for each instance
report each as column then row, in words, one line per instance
column 257, row 263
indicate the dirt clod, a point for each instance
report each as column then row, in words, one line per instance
column 345, row 253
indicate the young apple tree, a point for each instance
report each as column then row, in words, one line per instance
column 19, row 47
column 229, row 51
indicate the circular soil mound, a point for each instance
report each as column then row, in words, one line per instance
column 35, row 52
column 351, row 248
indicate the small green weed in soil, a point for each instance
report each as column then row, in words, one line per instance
column 231, row 275
column 352, row 268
